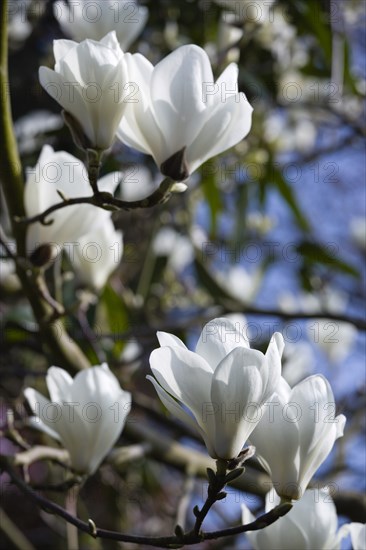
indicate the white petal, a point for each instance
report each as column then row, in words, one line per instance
column 59, row 384
column 217, row 339
column 176, row 92
column 36, row 401
column 236, row 396
column 183, row 374
column 173, row 407
column 167, row 339
column 225, row 126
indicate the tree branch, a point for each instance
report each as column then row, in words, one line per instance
column 162, row 542
column 105, row 200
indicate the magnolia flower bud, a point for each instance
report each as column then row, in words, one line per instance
column 358, row 534
column 300, row 425
column 88, row 82
column 86, row 414
column 311, row 523
column 85, row 19
column 220, row 389
column 84, row 231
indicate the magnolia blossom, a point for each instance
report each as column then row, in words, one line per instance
column 358, row 535
column 335, row 338
column 311, row 524
column 97, row 255
column 73, row 227
column 297, row 433
column 221, row 387
column 240, row 284
column 90, row 82
column 85, row 19
column 181, row 116
column 86, row 414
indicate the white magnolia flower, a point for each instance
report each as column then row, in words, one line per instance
column 176, row 247
column 311, row 524
column 180, row 115
column 228, row 33
column 90, row 82
column 97, row 254
column 335, row 338
column 85, row 19
column 60, row 171
column 86, row 414
column 358, row 534
column 297, row 433
column 220, row 388
column 241, row 284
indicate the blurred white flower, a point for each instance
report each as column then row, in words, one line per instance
column 85, row 19
column 60, row 171
column 86, row 414
column 287, row 134
column 178, row 248
column 358, row 232
column 311, row 524
column 180, row 93
column 297, row 433
column 335, row 338
column 97, row 254
column 261, row 223
column 19, row 28
column 137, row 183
column 228, row 35
column 327, row 299
column 358, row 534
column 30, row 129
column 220, row 389
column 240, row 284
column 90, row 82
column 8, row 277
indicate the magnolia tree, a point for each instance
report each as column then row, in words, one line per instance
column 152, row 161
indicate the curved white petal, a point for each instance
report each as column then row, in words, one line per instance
column 167, row 339
column 173, row 407
column 228, row 124
column 236, row 395
column 59, row 384
column 36, row 401
column 176, row 95
column 183, row 374
column 217, row 339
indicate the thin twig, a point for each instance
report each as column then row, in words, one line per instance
column 162, row 542
column 105, row 200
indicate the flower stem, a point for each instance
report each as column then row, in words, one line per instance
column 71, row 507
column 217, row 482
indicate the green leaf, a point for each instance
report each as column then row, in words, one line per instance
column 318, row 254
column 211, row 192
column 287, row 193
column 117, row 315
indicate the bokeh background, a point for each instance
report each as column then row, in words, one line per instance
column 274, row 230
